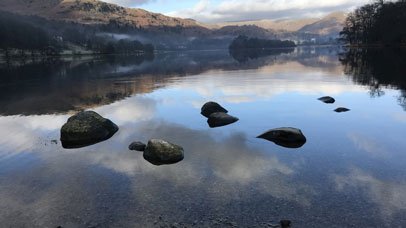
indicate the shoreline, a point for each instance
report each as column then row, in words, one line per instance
column 14, row 58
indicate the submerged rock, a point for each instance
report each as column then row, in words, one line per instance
column 211, row 107
column 341, row 109
column 327, row 99
column 285, row 223
column 86, row 128
column 138, row 146
column 285, row 136
column 219, row 119
column 160, row 152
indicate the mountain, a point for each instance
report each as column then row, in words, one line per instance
column 99, row 26
column 95, row 12
column 330, row 24
column 92, row 12
column 278, row 25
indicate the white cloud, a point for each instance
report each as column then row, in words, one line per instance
column 368, row 144
column 238, row 10
column 201, row 6
column 389, row 196
column 401, row 117
column 267, row 82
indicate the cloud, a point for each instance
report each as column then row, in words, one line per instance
column 401, row 117
column 268, row 82
column 389, row 196
column 95, row 184
column 369, row 145
column 238, row 10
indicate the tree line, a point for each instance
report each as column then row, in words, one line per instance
column 37, row 35
column 243, row 42
column 379, row 23
column 19, row 35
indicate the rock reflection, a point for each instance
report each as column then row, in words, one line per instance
column 286, row 136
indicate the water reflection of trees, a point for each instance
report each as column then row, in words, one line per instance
column 377, row 68
column 59, row 86
column 244, row 55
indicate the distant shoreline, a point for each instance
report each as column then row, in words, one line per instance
column 71, row 56
column 402, row 45
column 15, row 57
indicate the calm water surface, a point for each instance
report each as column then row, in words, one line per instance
column 350, row 173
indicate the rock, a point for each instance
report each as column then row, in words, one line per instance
column 341, row 109
column 86, row 128
column 160, row 152
column 285, row 136
column 138, row 146
column 219, row 119
column 327, row 100
column 285, row 223
column 211, row 107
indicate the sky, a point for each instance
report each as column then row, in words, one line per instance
column 213, row 11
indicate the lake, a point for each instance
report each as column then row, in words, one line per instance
column 351, row 171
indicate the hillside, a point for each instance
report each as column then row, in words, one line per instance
column 278, row 25
column 92, row 12
column 93, row 24
column 330, row 24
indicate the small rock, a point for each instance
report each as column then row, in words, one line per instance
column 211, row 107
column 327, row 100
column 341, row 109
column 138, row 146
column 285, row 223
column 286, row 136
column 54, row 141
column 219, row 119
column 86, row 128
column 160, row 152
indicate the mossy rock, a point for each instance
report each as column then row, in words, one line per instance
column 86, row 128
column 160, row 152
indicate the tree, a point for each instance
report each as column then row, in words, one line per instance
column 243, row 42
column 377, row 23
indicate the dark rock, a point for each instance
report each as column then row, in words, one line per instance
column 285, row 223
column 211, row 107
column 219, row 119
column 138, row 146
column 160, row 152
column 86, row 128
column 341, row 109
column 327, row 100
column 285, row 136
